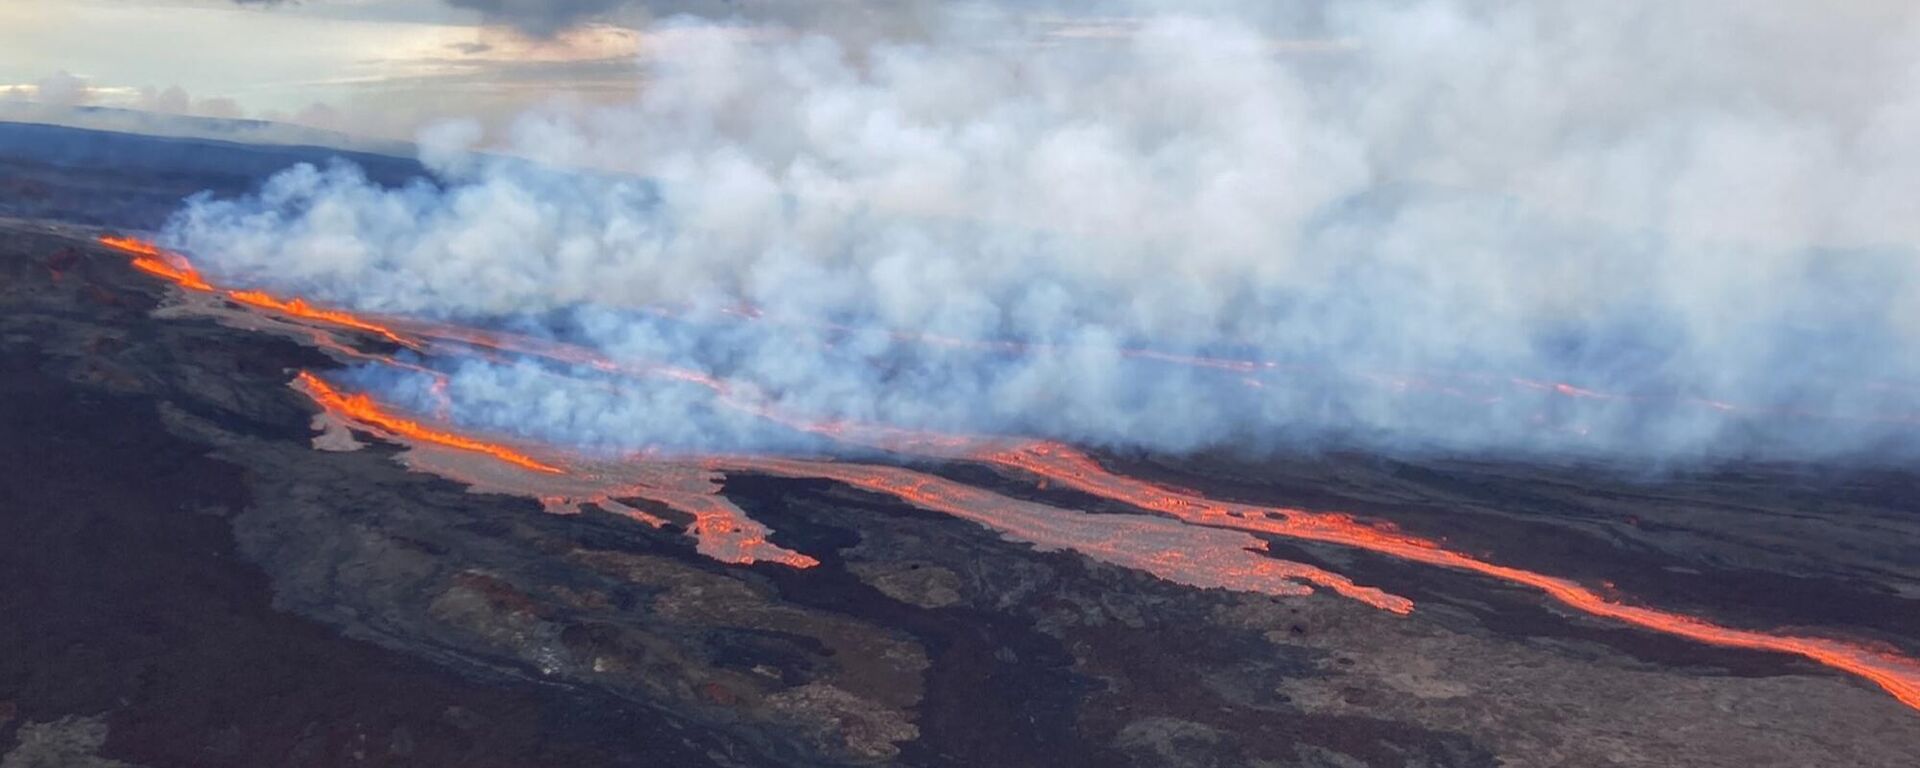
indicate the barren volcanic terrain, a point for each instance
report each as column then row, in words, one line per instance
column 217, row 552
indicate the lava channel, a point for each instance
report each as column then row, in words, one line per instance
column 724, row 532
column 720, row 530
column 153, row 261
column 1183, row 554
column 1062, row 465
column 361, row 408
column 176, row 269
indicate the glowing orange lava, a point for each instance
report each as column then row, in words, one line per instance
column 726, row 393
column 175, row 268
column 720, row 530
column 1060, row 464
column 363, row 409
column 723, row 532
column 151, row 260
column 1148, row 544
column 1204, row 560
column 300, row 308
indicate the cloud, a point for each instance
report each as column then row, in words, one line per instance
column 62, row 89
column 219, row 108
column 320, row 115
column 172, row 101
column 1634, row 229
column 849, row 19
column 540, row 17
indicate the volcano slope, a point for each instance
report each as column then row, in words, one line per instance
column 189, row 582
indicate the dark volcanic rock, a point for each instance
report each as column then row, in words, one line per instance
column 127, row 599
column 188, row 583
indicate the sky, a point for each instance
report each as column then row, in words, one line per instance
column 387, row 68
column 375, row 68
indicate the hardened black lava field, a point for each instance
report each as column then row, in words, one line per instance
column 189, row 581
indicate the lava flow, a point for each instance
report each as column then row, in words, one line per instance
column 153, row 261
column 1064, row 466
column 719, row 529
column 175, row 268
column 1206, row 543
column 1182, row 554
column 876, row 436
column 300, row 308
column 363, row 409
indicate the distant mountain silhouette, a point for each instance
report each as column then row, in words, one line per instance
column 101, row 177
column 191, row 126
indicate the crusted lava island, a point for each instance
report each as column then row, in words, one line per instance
column 219, row 552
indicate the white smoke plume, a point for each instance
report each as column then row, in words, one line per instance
column 1423, row 213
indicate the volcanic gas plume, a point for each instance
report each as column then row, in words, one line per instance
column 1533, row 229
column 1174, row 534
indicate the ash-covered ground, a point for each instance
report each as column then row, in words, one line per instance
column 185, row 581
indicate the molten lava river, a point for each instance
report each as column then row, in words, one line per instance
column 1178, row 535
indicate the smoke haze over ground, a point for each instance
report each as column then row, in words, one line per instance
column 1423, row 214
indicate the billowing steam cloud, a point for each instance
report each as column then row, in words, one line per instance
column 1423, row 214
